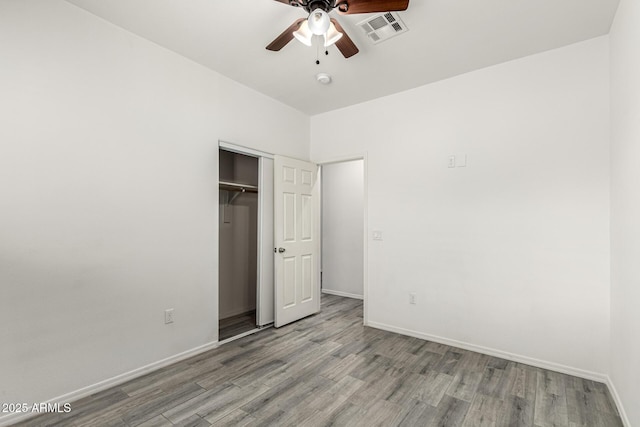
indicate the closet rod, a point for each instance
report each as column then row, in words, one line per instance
column 232, row 186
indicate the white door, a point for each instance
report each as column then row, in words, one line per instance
column 297, row 239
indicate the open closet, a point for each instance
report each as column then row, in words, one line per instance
column 245, row 272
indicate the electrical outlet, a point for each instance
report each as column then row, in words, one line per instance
column 168, row 316
column 412, row 298
column 451, row 162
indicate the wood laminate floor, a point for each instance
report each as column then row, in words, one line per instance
column 330, row 370
column 236, row 325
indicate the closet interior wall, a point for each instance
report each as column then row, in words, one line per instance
column 238, row 225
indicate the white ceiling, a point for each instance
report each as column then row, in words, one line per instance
column 445, row 38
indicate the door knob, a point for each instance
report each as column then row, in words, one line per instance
column 280, row 250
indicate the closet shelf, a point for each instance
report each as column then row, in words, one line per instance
column 242, row 188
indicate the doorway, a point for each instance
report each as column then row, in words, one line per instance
column 245, row 226
column 343, row 228
column 247, row 242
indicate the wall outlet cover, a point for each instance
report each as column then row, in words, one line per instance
column 168, row 316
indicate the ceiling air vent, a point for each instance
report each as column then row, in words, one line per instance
column 383, row 26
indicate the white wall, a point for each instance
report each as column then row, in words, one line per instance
column 108, row 196
column 625, row 207
column 343, row 228
column 511, row 252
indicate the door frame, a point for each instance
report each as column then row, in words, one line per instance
column 365, row 219
column 235, row 148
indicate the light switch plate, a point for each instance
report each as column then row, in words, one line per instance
column 377, row 235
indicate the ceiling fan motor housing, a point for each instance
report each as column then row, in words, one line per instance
column 325, row 5
column 312, row 5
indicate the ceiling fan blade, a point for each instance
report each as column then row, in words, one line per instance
column 345, row 45
column 370, row 6
column 286, row 36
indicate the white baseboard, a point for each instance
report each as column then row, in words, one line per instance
column 618, row 402
column 595, row 376
column 341, row 294
column 111, row 382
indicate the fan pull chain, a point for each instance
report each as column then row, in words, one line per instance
column 326, row 52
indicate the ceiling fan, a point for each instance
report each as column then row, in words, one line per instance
column 319, row 22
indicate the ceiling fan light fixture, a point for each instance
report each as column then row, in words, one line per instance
column 332, row 35
column 318, row 22
column 303, row 34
